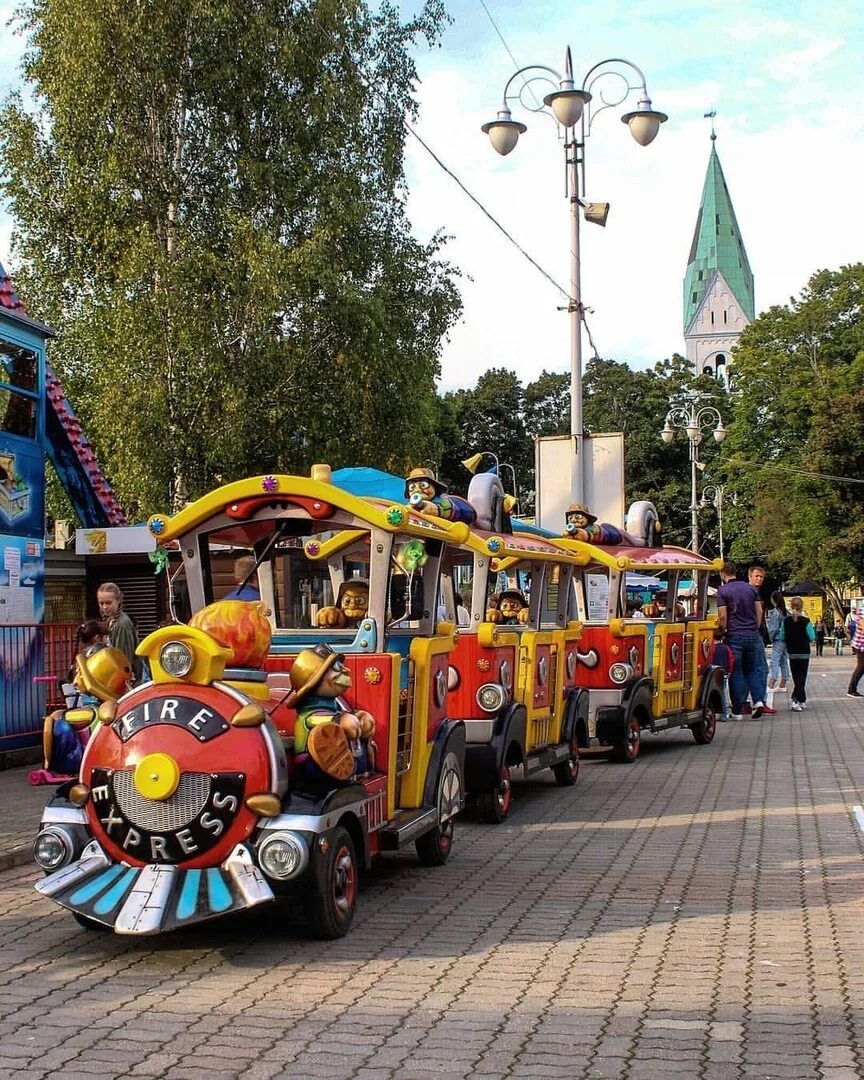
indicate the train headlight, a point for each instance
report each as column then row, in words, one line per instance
column 620, row 673
column 283, row 855
column 176, row 658
column 491, row 696
column 53, row 848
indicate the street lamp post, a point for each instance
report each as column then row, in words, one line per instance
column 714, row 494
column 693, row 420
column 614, row 79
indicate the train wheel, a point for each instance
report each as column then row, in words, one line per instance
column 495, row 806
column 567, row 772
column 433, row 847
column 89, row 924
column 331, row 909
column 704, row 729
column 627, row 750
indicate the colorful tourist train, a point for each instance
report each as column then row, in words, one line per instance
column 394, row 654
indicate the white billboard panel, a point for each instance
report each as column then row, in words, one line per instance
column 603, row 477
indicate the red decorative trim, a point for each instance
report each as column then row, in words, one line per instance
column 243, row 509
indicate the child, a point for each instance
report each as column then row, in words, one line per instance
column 723, row 657
column 797, row 631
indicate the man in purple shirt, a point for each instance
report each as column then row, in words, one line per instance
column 739, row 613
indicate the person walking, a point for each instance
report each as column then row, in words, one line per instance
column 797, row 632
column 821, row 630
column 721, row 656
column 779, row 668
column 739, row 613
column 839, row 638
column 857, row 642
column 121, row 630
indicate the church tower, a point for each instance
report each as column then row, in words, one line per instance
column 718, row 286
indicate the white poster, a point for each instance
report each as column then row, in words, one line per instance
column 16, row 605
column 597, row 597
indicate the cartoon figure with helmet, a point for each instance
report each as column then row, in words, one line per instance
column 428, row 495
column 352, row 605
column 330, row 738
column 511, row 609
column 102, row 673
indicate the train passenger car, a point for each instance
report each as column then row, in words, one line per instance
column 281, row 744
column 645, row 671
column 514, row 668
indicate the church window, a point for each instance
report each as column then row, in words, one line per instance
column 725, row 314
column 700, row 274
column 712, row 318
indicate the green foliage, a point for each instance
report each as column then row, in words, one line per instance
column 499, row 416
column 209, row 210
column 799, row 412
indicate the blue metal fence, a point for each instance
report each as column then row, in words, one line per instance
column 34, row 660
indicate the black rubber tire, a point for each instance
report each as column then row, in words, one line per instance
column 567, row 772
column 627, row 750
column 495, row 805
column 705, row 729
column 331, row 910
column 90, row 924
column 434, row 847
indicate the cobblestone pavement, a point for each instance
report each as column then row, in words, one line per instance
column 696, row 915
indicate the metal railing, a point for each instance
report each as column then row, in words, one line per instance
column 34, row 661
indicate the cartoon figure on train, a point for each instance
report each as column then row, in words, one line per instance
column 428, row 495
column 352, row 603
column 581, row 524
column 101, row 673
column 330, row 737
column 511, row 609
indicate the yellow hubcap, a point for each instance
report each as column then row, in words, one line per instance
column 157, row 776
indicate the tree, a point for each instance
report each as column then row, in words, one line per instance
column 209, row 209
column 796, row 447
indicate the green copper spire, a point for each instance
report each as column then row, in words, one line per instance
column 717, row 245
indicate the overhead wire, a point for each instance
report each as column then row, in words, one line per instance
column 564, row 292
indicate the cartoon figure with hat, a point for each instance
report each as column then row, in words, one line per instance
column 102, row 673
column 581, row 524
column 511, row 608
column 330, row 738
column 429, row 496
column 352, row 605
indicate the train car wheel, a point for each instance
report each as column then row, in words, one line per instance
column 90, row 924
column 567, row 772
column 627, row 750
column 331, row 908
column 433, row 847
column 704, row 729
column 495, row 805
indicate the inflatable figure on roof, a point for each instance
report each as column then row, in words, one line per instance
column 644, row 530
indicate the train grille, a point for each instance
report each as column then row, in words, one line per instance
column 162, row 815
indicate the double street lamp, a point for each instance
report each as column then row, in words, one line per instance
column 608, row 83
column 694, row 420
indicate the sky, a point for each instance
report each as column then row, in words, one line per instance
column 784, row 79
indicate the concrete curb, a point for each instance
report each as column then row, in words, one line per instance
column 18, row 856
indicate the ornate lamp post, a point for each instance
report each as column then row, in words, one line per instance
column 614, row 79
column 693, row 420
column 714, row 494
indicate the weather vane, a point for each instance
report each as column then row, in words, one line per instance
column 710, row 116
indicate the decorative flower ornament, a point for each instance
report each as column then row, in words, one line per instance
column 372, row 675
column 269, row 484
column 395, row 515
